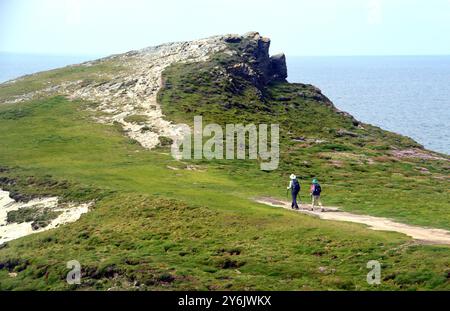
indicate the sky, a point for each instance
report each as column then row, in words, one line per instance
column 297, row 27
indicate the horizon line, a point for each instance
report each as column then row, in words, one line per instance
column 57, row 54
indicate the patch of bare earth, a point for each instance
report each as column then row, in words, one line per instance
column 10, row 231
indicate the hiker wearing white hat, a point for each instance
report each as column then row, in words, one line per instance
column 294, row 185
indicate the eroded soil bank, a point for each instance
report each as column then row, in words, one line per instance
column 37, row 215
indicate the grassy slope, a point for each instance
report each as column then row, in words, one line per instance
column 357, row 173
column 175, row 229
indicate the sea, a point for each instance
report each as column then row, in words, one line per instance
column 409, row 95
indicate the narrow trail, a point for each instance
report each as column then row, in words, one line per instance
column 427, row 235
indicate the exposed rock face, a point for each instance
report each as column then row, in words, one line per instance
column 135, row 91
column 258, row 67
column 278, row 69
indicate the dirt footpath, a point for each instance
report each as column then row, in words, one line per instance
column 428, row 235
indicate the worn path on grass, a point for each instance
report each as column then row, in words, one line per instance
column 428, row 235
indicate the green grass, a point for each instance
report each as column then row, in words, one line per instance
column 357, row 171
column 164, row 244
column 179, row 229
column 157, row 227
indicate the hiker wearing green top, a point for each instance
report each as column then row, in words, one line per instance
column 315, row 192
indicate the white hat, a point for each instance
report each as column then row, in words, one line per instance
column 293, row 176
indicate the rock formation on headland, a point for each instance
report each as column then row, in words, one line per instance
column 132, row 89
column 257, row 65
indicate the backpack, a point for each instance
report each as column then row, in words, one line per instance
column 295, row 185
column 317, row 189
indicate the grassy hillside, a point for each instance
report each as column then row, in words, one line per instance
column 353, row 161
column 165, row 224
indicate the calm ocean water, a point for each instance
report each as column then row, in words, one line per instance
column 407, row 95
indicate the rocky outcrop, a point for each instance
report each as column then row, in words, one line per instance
column 130, row 94
column 255, row 63
column 134, row 93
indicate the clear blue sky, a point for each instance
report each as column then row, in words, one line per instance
column 319, row 27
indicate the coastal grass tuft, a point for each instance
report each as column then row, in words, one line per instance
column 40, row 217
